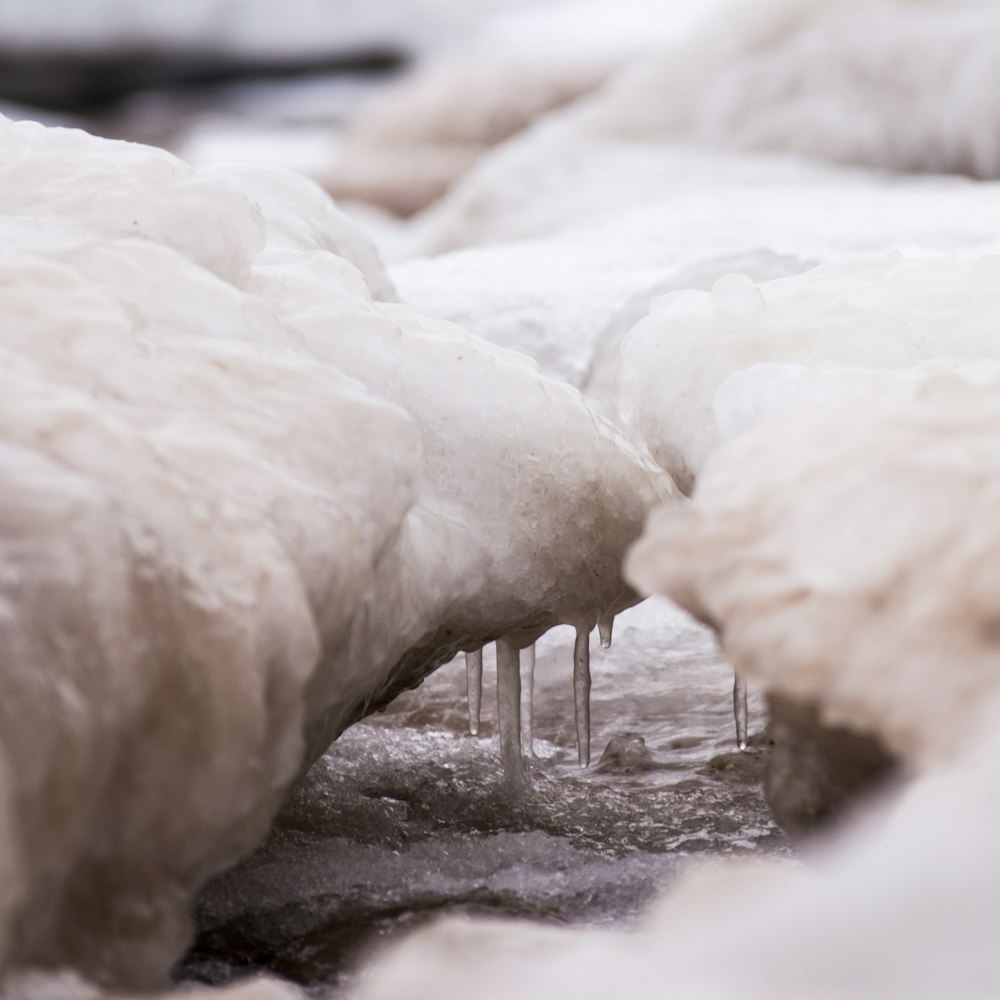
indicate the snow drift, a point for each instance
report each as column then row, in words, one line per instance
column 877, row 312
column 218, row 547
column 898, row 84
column 845, row 557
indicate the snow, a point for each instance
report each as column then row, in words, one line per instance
column 843, row 551
column 254, row 484
column 218, row 545
column 161, row 608
column 891, row 83
column 878, row 311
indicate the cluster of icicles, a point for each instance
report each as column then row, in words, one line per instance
column 515, row 690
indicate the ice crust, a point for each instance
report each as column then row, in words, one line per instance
column 868, row 591
column 903, row 85
column 841, row 542
column 552, row 243
column 414, row 140
column 218, row 545
column 560, row 242
column 704, row 365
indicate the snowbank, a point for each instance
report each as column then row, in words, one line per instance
column 875, row 312
column 409, row 144
column 219, row 548
column 904, row 85
column 846, row 557
column 176, row 555
column 572, row 256
column 844, row 552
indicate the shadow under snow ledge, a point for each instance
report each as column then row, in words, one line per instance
column 407, row 816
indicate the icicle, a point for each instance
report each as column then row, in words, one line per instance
column 509, row 708
column 741, row 711
column 528, row 700
column 581, row 694
column 605, row 626
column 474, row 687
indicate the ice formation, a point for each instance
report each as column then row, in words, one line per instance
column 740, row 710
column 892, row 83
column 847, row 558
column 701, row 366
column 557, row 244
column 605, row 629
column 248, row 496
column 509, row 708
column 160, row 607
column 581, row 693
column 474, row 683
column 218, row 545
column 466, row 581
column 528, row 700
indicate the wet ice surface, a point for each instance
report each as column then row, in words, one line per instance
column 408, row 816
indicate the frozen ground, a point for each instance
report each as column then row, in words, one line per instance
column 407, row 816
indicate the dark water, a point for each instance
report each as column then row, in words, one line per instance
column 407, row 816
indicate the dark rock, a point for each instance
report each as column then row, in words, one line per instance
column 625, row 753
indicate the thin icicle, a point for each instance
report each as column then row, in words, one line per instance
column 528, row 699
column 581, row 694
column 605, row 627
column 741, row 711
column 474, row 687
column 509, row 708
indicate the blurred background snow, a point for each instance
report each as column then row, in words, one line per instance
column 278, row 83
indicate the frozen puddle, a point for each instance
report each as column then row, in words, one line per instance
column 408, row 815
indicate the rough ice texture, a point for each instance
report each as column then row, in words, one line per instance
column 846, row 554
column 300, row 216
column 898, row 84
column 848, row 558
column 603, row 204
column 556, row 242
column 584, row 232
column 217, row 547
column 870, row 312
column 191, row 512
column 500, row 438
column 127, row 191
